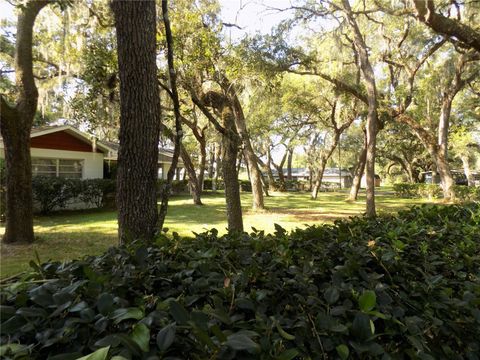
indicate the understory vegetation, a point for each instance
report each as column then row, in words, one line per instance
column 434, row 191
column 394, row 287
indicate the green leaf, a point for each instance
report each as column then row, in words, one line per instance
column 126, row 313
column 361, row 326
column 14, row 349
column 141, row 335
column 367, row 300
column 242, row 342
column 179, row 313
column 166, row 336
column 331, row 295
column 283, row 333
column 100, row 354
column 343, row 351
column 289, row 354
column 105, row 303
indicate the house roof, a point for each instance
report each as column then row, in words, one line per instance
column 108, row 147
column 44, row 130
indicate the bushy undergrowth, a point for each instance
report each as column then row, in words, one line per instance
column 395, row 287
column 433, row 191
column 54, row 193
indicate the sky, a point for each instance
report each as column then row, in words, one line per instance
column 251, row 15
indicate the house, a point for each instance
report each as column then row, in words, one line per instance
column 363, row 181
column 164, row 161
column 63, row 151
column 331, row 176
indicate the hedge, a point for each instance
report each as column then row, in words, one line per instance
column 54, row 193
column 433, row 191
column 395, row 287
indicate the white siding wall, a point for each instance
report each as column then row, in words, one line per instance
column 92, row 161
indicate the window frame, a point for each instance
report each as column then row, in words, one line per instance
column 58, row 171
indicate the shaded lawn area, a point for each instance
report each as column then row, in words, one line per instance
column 70, row 235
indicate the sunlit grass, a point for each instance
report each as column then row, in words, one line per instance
column 70, row 235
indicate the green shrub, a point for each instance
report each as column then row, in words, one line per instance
column 178, row 186
column 395, row 287
column 434, row 191
column 96, row 191
column 245, row 185
column 467, row 193
column 419, row 190
column 208, row 184
column 54, row 192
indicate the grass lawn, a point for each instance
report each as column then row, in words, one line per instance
column 70, row 235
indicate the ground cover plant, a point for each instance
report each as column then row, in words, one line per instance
column 70, row 235
column 395, row 287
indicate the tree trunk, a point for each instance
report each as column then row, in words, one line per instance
column 359, row 170
column 196, row 190
column 289, row 164
column 211, row 161
column 268, row 169
column 173, row 170
column 372, row 116
column 202, row 163
column 442, row 153
column 445, row 25
column 135, row 23
column 232, row 188
column 468, row 172
column 218, row 165
column 249, row 154
column 318, row 178
column 15, row 126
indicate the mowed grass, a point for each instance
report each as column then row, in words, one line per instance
column 71, row 235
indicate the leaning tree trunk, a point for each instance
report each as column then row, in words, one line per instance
column 249, row 154
column 135, row 23
column 15, row 126
column 196, row 190
column 318, row 178
column 359, row 170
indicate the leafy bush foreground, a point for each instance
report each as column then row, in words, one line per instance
column 404, row 287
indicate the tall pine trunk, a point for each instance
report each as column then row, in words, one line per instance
column 135, row 23
column 15, row 126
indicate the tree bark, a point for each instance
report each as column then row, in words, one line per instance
column 196, row 190
column 437, row 22
column 289, row 164
column 232, row 188
column 359, row 170
column 318, row 178
column 135, row 23
column 249, row 154
column 372, row 116
column 15, row 127
column 178, row 124
column 230, row 146
column 211, row 161
column 466, row 168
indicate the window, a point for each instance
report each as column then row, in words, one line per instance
column 65, row 168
